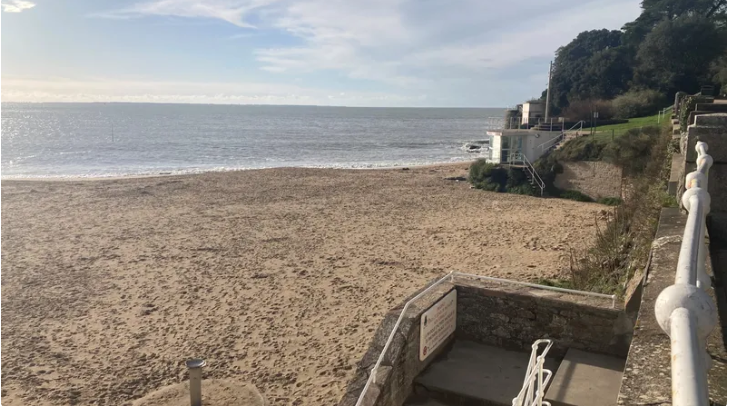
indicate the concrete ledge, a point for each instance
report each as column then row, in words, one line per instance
column 647, row 376
column 710, row 128
column 714, row 107
column 677, row 163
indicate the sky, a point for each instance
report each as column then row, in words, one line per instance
column 439, row 53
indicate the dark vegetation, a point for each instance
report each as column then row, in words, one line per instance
column 673, row 45
column 625, row 231
column 623, row 241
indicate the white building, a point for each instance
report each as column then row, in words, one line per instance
column 512, row 146
column 531, row 112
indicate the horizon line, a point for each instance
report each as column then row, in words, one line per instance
column 249, row 104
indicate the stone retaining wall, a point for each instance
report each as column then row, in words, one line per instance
column 504, row 315
column 595, row 179
column 515, row 320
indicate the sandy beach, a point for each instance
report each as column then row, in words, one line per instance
column 276, row 277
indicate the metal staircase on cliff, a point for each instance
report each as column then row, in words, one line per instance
column 520, row 160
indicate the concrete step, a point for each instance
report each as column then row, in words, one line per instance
column 713, row 107
column 586, row 379
column 693, row 114
column 476, row 374
column 711, row 120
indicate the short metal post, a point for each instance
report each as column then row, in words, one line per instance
column 195, row 366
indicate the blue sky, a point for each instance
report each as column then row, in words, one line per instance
column 470, row 53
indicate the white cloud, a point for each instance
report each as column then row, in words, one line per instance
column 231, row 11
column 410, row 44
column 16, row 6
column 458, row 52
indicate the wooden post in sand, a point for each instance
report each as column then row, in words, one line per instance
column 195, row 366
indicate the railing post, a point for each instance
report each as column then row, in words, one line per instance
column 195, row 366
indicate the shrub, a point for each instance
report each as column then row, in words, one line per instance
column 522, row 189
column 575, row 195
column 638, row 103
column 625, row 236
column 491, row 177
column 632, row 150
column 514, row 178
column 583, row 109
column 580, row 149
column 487, row 176
column 479, row 170
column 610, row 201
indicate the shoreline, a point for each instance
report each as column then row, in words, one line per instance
column 170, row 174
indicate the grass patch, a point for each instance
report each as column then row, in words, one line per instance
column 628, row 147
column 632, row 123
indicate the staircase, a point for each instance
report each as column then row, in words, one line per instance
column 564, row 136
column 473, row 374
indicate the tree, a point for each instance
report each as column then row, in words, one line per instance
column 575, row 73
column 657, row 11
column 677, row 54
column 608, row 73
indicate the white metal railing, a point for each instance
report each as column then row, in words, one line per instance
column 450, row 277
column 519, row 157
column 536, row 378
column 684, row 310
column 662, row 113
column 550, row 143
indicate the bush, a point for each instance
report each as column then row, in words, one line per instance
column 575, row 195
column 583, row 109
column 632, row 150
column 580, row 149
column 638, row 103
column 625, row 233
column 491, row 177
column 610, row 201
column 487, row 176
column 523, row 189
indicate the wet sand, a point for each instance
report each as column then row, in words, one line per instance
column 277, row 277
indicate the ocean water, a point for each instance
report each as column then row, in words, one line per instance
column 120, row 139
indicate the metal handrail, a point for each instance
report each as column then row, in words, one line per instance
column 529, row 395
column 450, row 277
column 550, row 143
column 684, row 310
column 520, row 157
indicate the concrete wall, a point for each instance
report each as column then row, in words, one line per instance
column 712, row 129
column 402, row 362
column 515, row 320
column 595, row 179
column 491, row 313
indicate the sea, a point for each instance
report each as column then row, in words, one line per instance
column 70, row 140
